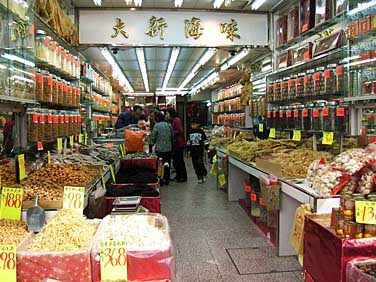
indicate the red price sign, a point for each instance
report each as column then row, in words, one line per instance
column 365, row 212
column 11, row 203
column 8, row 263
column 247, row 188
column 253, row 197
column 113, row 261
column 262, row 201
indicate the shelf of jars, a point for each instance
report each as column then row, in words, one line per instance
column 226, row 99
column 230, row 120
column 232, row 105
column 230, row 92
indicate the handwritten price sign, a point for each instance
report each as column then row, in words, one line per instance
column 113, row 261
column 73, row 198
column 297, row 135
column 365, row 212
column 272, row 133
column 327, row 138
column 261, row 127
column 8, row 263
column 11, row 203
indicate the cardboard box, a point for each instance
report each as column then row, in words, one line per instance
column 44, row 204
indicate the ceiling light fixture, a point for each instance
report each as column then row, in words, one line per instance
column 174, row 56
column 361, row 7
column 209, row 80
column 228, row 3
column 203, row 60
column 178, row 3
column 235, row 59
column 141, row 62
column 97, row 2
column 18, row 59
column 138, row 3
column 117, row 73
column 257, row 4
column 218, row 3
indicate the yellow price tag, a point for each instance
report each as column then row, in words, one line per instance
column 327, row 138
column 122, row 151
column 113, row 256
column 86, row 138
column 49, row 157
column 0, row 181
column 74, row 198
column 80, row 138
column 103, row 182
column 71, row 140
column 297, row 135
column 59, row 144
column 11, row 203
column 112, row 174
column 234, row 135
column 8, row 263
column 261, row 127
column 365, row 212
column 21, row 166
column 221, row 179
column 272, row 133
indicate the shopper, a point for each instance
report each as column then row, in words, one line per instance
column 178, row 151
column 163, row 138
column 196, row 144
column 9, row 135
column 128, row 118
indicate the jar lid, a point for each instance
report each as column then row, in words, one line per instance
column 302, row 74
column 286, row 78
column 310, row 71
column 40, row 32
column 332, row 103
column 320, row 68
column 294, row 76
column 332, row 65
column 310, row 105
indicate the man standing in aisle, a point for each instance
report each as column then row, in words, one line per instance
column 128, row 118
column 178, row 152
column 196, row 144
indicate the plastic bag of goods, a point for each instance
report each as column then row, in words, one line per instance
column 218, row 131
column 149, row 249
column 361, row 270
column 354, row 160
column 270, row 192
column 134, row 140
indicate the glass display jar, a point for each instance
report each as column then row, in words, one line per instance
column 62, row 131
column 55, row 124
column 32, row 125
column 65, row 93
column 318, row 82
column 53, row 53
column 282, row 117
column 328, row 116
column 79, row 119
column 47, row 87
column 290, row 117
column 59, row 56
column 307, row 116
column 342, row 118
column 277, row 90
column 269, row 92
column 48, row 125
column 70, row 95
column 330, row 79
column 269, row 119
column 299, row 83
column 55, row 90
column 292, row 87
column 308, row 83
column 41, row 125
column 341, row 79
column 61, row 92
column 298, row 117
column 317, row 117
column 284, row 88
column 39, row 86
column 71, row 125
column 41, row 45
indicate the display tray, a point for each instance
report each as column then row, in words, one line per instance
column 153, row 204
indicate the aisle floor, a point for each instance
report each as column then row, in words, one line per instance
column 216, row 241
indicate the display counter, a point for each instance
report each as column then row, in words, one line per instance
column 294, row 192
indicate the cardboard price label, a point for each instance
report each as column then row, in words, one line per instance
column 365, row 212
column 112, row 174
column 21, row 166
column 247, row 188
column 59, row 144
column 85, row 138
column 261, row 127
column 122, row 150
column 272, row 133
column 221, row 180
column 49, row 157
column 297, row 135
column 8, row 263
column 103, row 182
column 74, row 198
column 114, row 261
column 253, row 197
column 80, row 138
column 11, row 203
column 71, row 140
column 327, row 138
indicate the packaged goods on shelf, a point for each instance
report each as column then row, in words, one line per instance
column 150, row 253
column 12, row 231
column 229, row 92
column 361, row 269
column 61, row 251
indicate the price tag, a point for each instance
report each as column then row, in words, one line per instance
column 80, row 138
column 21, row 166
column 297, row 135
column 103, row 182
column 365, row 212
column 59, row 144
column 234, row 135
column 112, row 174
column 8, row 263
column 261, row 127
column 49, row 157
column 113, row 261
column 11, row 203
column 122, row 150
column 85, row 140
column 40, row 146
column 262, row 201
column 247, row 188
column 253, row 197
column 74, row 198
column 221, row 180
column 71, row 140
column 327, row 138
column 272, row 133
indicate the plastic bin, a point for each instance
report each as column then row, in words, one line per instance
column 354, row 274
column 153, row 204
column 151, row 163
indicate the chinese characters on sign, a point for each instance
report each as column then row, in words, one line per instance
column 193, row 28
column 231, row 29
column 119, row 28
column 157, row 26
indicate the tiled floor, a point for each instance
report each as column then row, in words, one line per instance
column 216, row 241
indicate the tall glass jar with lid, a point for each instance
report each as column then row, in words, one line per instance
column 328, row 116
column 41, row 45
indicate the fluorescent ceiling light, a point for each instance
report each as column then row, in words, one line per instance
column 97, row 2
column 257, row 4
column 266, row 68
column 360, row 62
column 141, row 62
column 117, row 73
column 218, row 3
column 204, row 83
column 361, row 7
column 203, row 60
column 134, row 94
column 178, row 3
column 128, row 2
column 235, row 59
column 18, row 59
column 228, row 3
column 138, row 3
column 174, row 56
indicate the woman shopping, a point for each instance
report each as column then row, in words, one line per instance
column 162, row 137
column 178, row 151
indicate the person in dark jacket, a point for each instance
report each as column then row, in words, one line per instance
column 128, row 118
column 196, row 145
column 178, row 151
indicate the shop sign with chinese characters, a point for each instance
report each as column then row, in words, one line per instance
column 172, row 28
